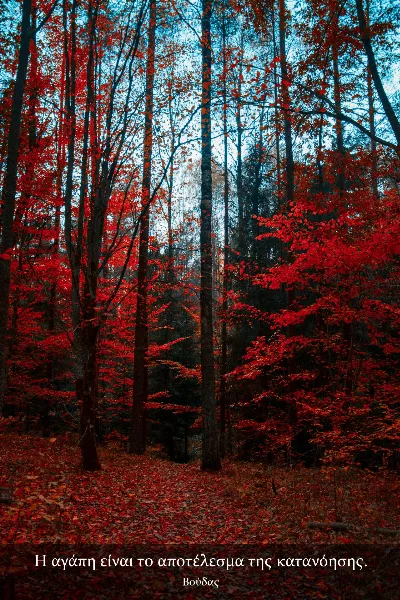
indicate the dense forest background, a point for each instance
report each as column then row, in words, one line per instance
column 200, row 227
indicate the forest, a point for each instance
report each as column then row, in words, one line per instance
column 199, row 283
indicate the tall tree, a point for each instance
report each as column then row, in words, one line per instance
column 88, row 300
column 210, row 448
column 224, row 407
column 10, row 187
column 239, row 147
column 73, row 250
column 101, row 160
column 289, row 169
column 372, row 127
column 338, row 106
column 140, row 367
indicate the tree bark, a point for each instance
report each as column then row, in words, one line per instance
column 341, row 185
column 10, row 188
column 371, row 114
column 137, row 443
column 372, row 128
column 225, row 284
column 289, row 196
column 276, row 115
column 239, row 167
column 210, row 448
column 87, row 426
column 87, row 388
column 341, row 176
column 70, row 127
column 170, row 266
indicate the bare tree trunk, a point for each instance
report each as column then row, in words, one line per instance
column 51, row 322
column 90, row 331
column 255, row 229
column 320, row 167
column 137, row 443
column 70, row 126
column 22, row 206
column 10, row 188
column 170, row 266
column 224, row 407
column 277, row 132
column 341, row 185
column 76, row 255
column 89, row 324
column 210, row 450
column 289, row 196
column 341, row 177
column 53, row 287
column 371, row 115
column 276, row 110
column 239, row 167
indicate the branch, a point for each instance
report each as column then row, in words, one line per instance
column 182, row 18
column 343, row 117
column 335, row 115
column 366, row 40
column 47, row 17
column 145, row 209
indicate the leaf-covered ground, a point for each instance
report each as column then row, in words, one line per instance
column 152, row 500
column 149, row 506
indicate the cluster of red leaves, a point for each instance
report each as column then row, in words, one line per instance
column 341, row 330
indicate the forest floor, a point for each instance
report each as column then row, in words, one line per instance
column 149, row 499
column 149, row 506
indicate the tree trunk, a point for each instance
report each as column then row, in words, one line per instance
column 320, row 168
column 70, row 127
column 289, row 196
column 170, row 266
column 341, row 185
column 53, row 287
column 276, row 116
column 225, row 285
column 255, row 196
column 371, row 114
column 372, row 128
column 341, row 176
column 239, row 167
column 10, row 188
column 210, row 449
column 87, row 388
column 87, row 425
column 277, row 131
column 137, row 443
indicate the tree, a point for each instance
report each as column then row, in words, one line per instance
column 289, row 183
column 210, row 451
column 140, row 372
column 224, row 403
column 10, row 187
